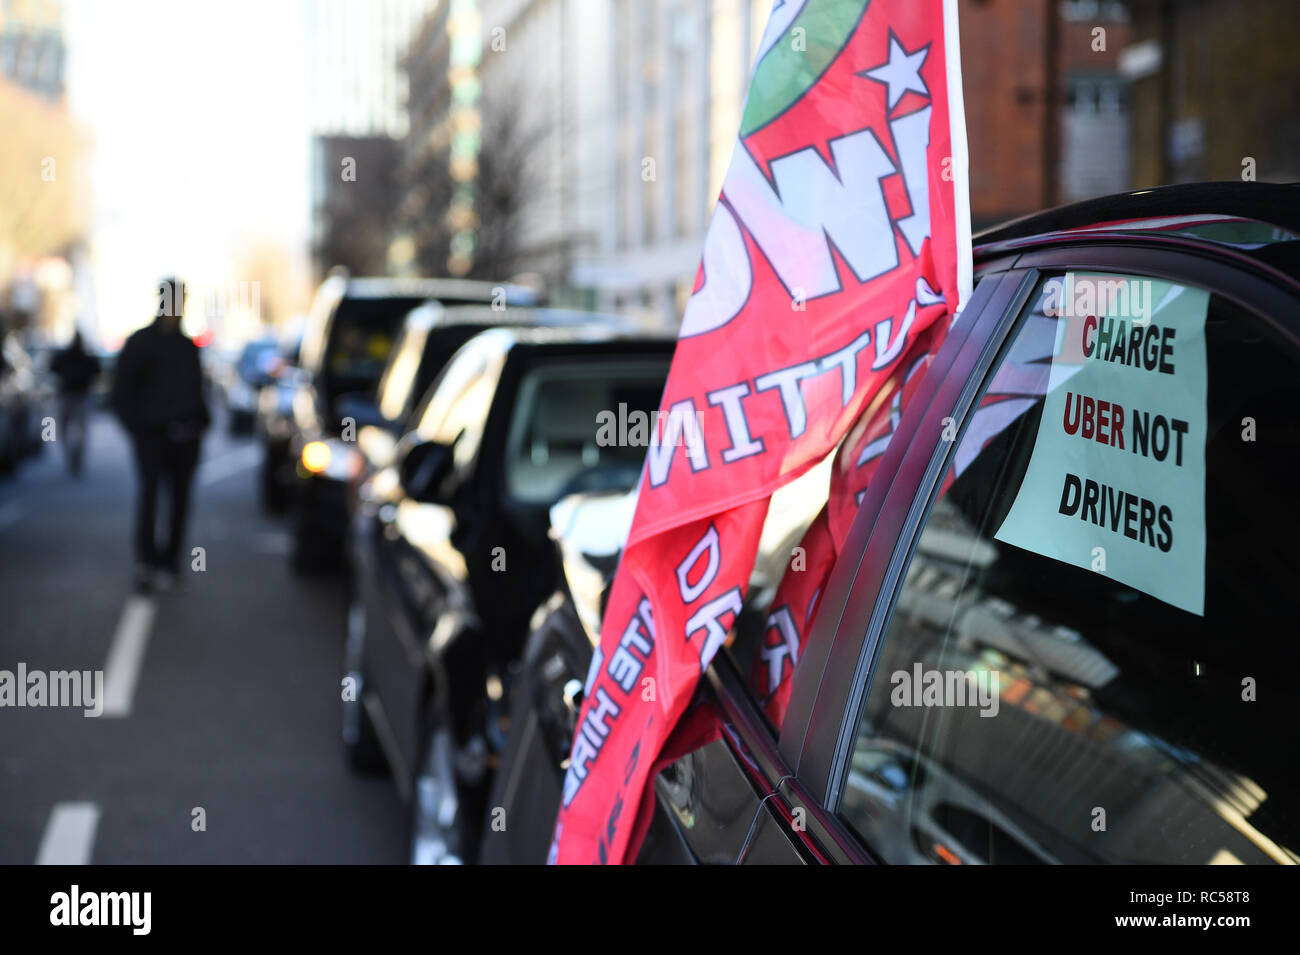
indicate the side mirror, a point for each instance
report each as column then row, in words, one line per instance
column 423, row 469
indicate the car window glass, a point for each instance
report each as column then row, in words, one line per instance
column 556, row 444
column 456, row 409
column 440, row 344
column 361, row 338
column 1063, row 678
column 399, row 377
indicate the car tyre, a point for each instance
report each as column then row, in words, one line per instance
column 274, row 495
column 308, row 547
column 435, row 837
column 361, row 744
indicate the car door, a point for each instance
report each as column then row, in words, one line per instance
column 419, row 580
column 1061, row 637
column 736, row 798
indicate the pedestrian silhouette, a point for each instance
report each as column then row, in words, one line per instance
column 158, row 396
column 76, row 370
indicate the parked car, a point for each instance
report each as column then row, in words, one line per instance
column 450, row 553
column 430, row 336
column 350, row 332
column 23, row 399
column 252, row 369
column 1144, row 700
column 273, row 426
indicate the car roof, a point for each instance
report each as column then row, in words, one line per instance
column 566, row 337
column 1258, row 220
column 433, row 314
column 518, row 343
column 377, row 287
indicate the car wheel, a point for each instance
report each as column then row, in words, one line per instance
column 274, row 495
column 308, row 547
column 360, row 741
column 435, row 802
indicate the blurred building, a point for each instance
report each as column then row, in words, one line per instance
column 627, row 111
column 640, row 100
column 419, row 243
column 358, row 103
column 32, row 47
column 353, row 201
column 1047, row 107
column 355, row 49
column 659, row 136
column 1216, row 90
column 594, row 134
column 438, row 177
column 40, row 227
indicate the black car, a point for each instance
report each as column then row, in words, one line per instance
column 430, row 335
column 253, row 369
column 23, row 401
column 350, row 332
column 273, row 425
column 1129, row 701
column 450, row 553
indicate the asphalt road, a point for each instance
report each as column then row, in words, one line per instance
column 233, row 709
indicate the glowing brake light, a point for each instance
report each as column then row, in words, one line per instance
column 315, row 456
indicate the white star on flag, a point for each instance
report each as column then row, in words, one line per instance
column 901, row 73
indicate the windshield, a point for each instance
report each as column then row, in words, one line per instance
column 361, row 338
column 255, row 360
column 565, row 434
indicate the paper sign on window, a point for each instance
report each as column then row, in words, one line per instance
column 1116, row 480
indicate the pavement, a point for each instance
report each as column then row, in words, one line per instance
column 219, row 742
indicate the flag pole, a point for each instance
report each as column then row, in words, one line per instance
column 960, row 151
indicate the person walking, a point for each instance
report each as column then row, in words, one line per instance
column 76, row 370
column 158, row 396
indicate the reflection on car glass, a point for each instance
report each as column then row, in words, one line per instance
column 1124, row 729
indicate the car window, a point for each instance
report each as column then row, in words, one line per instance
column 1092, row 655
column 455, row 410
column 255, row 358
column 360, row 340
column 564, row 433
column 440, row 344
column 395, row 385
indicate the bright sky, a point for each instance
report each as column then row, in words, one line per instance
column 197, row 111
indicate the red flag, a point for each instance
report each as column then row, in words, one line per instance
column 795, row 603
column 841, row 235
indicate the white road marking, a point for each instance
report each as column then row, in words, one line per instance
column 223, row 466
column 69, row 835
column 126, row 656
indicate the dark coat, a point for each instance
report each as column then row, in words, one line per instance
column 76, row 370
column 158, row 385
